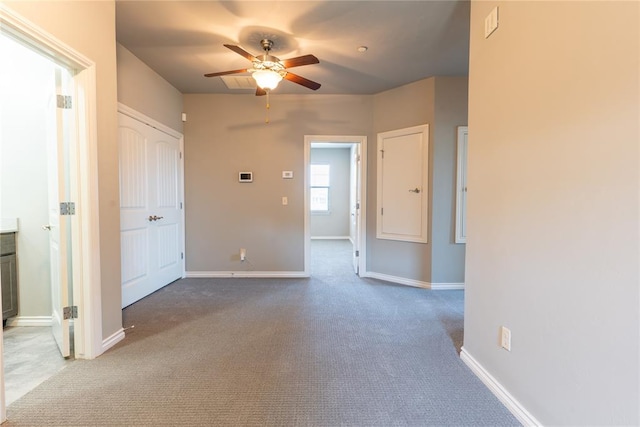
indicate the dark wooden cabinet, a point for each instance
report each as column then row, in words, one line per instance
column 9, row 272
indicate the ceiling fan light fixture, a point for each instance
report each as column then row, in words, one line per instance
column 267, row 79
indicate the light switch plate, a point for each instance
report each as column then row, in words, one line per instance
column 287, row 174
column 491, row 22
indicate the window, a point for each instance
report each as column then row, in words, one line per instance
column 319, row 188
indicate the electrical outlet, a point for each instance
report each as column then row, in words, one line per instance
column 243, row 254
column 505, row 338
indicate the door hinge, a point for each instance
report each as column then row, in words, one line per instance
column 382, row 151
column 357, row 205
column 181, row 255
column 67, row 208
column 180, row 205
column 70, row 312
column 381, row 211
column 181, row 154
column 357, row 253
column 64, row 102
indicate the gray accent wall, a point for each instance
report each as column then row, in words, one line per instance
column 334, row 223
column 447, row 257
column 144, row 90
column 227, row 134
column 440, row 102
column 552, row 244
column 399, row 108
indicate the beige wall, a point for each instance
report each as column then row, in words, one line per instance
column 226, row 134
column 552, row 245
column 89, row 28
column 144, row 90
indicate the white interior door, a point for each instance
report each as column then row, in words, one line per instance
column 403, row 157
column 59, row 225
column 356, row 194
column 150, row 209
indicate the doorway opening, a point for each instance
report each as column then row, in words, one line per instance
column 68, row 216
column 335, row 200
column 34, row 172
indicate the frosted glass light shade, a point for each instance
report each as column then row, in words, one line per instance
column 267, row 79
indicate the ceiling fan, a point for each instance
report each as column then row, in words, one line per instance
column 268, row 70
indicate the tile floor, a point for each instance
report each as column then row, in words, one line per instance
column 30, row 357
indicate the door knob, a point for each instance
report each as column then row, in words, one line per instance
column 46, row 227
column 415, row 190
column 154, row 218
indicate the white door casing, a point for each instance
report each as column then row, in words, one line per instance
column 151, row 207
column 403, row 186
column 359, row 243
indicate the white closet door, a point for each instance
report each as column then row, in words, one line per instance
column 151, row 226
column 403, row 186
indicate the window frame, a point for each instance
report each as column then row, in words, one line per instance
column 326, row 187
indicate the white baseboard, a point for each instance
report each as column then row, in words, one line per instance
column 112, row 340
column 396, row 279
column 29, row 321
column 499, row 391
column 245, row 274
column 330, row 238
column 413, row 282
column 447, row 286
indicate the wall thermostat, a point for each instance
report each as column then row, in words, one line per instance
column 245, row 176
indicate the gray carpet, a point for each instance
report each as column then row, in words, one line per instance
column 334, row 350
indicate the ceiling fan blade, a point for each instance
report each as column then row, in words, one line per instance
column 240, row 51
column 300, row 60
column 302, row 81
column 224, row 73
column 260, row 91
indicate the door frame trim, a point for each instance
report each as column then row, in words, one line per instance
column 337, row 139
column 86, row 256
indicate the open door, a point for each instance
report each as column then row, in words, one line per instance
column 356, row 193
column 60, row 210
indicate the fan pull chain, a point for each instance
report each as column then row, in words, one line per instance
column 266, row 120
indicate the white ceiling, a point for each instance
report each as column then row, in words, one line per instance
column 407, row 40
